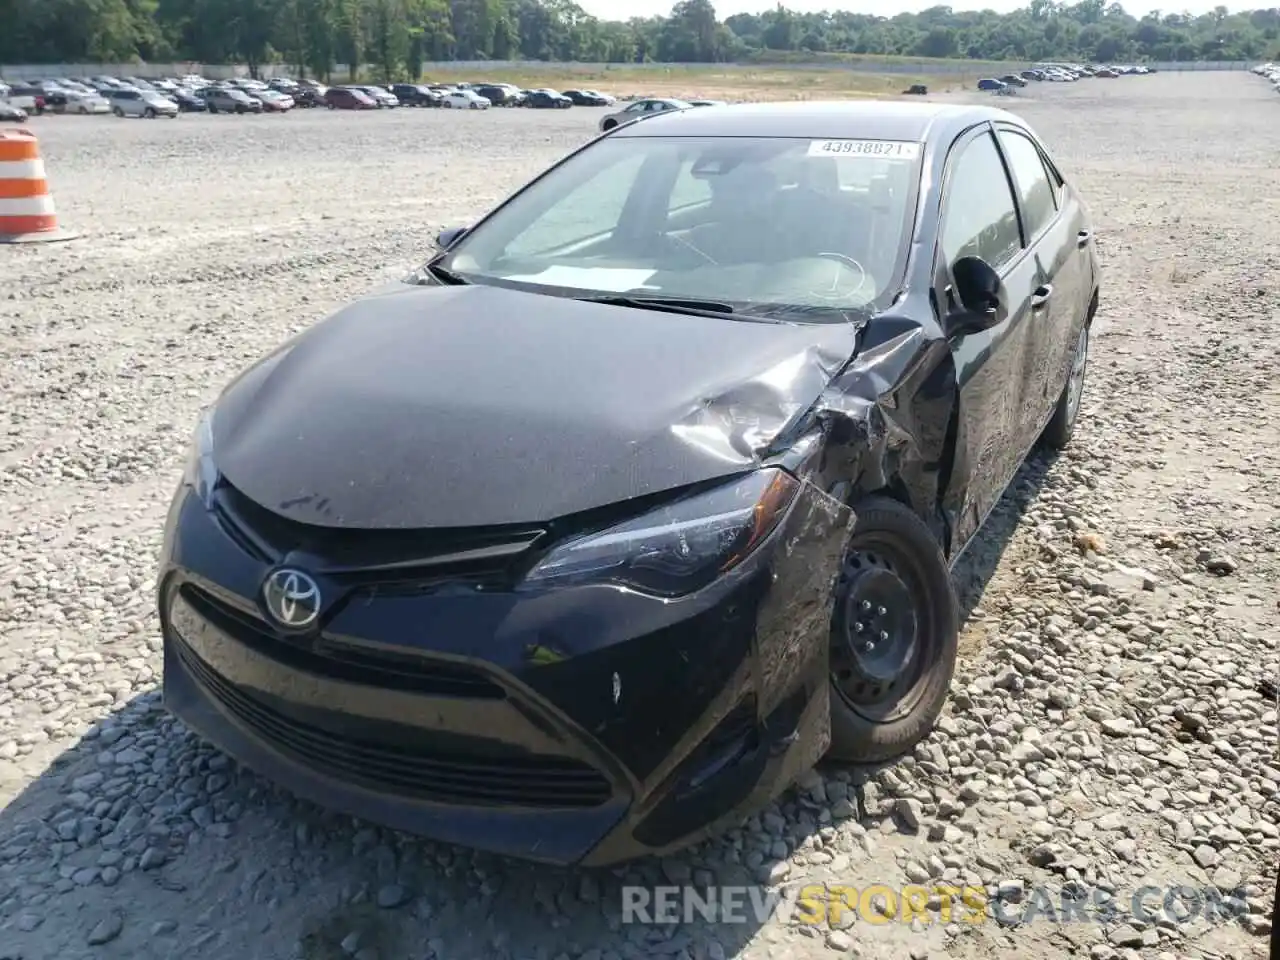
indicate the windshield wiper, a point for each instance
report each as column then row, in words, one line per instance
column 667, row 304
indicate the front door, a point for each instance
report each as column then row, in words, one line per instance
column 980, row 218
column 1051, row 232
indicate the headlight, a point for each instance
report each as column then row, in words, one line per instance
column 678, row 548
column 200, row 474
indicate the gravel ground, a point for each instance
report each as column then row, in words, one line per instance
column 1111, row 724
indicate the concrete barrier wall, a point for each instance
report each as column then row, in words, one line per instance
column 496, row 67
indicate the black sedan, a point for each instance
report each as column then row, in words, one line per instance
column 604, row 525
column 585, row 98
column 546, row 100
column 416, row 95
column 187, row 101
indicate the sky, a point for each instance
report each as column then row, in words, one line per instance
column 625, row 9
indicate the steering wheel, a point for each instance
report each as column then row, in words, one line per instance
column 835, row 293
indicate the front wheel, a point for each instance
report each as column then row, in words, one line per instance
column 212, row 108
column 894, row 635
column 1063, row 422
column 609, row 125
column 149, row 113
column 116, row 111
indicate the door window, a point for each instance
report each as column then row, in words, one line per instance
column 1035, row 192
column 979, row 216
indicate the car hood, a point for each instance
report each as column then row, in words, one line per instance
column 459, row 406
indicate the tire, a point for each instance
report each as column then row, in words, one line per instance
column 609, row 125
column 1063, row 422
column 117, row 112
column 149, row 113
column 212, row 108
column 894, row 563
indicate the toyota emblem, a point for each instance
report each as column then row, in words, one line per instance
column 292, row 598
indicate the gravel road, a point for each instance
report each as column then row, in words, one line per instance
column 1112, row 724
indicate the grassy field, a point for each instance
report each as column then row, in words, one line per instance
column 764, row 82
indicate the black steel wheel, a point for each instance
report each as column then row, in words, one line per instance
column 894, row 634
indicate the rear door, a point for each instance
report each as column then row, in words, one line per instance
column 1053, row 228
column 980, row 218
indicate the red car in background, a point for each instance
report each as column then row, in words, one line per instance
column 344, row 98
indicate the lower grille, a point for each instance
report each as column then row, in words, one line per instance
column 537, row 782
column 374, row 667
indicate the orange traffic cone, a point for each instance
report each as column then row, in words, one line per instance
column 26, row 208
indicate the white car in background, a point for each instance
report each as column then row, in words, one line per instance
column 90, row 102
column 141, row 103
column 466, row 100
column 648, row 107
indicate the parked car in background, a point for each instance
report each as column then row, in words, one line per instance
column 230, row 100
column 141, row 103
column 11, row 114
column 26, row 97
column 74, row 101
column 991, row 83
column 466, row 100
column 305, row 96
column 382, row 98
column 273, row 101
column 347, row 98
column 649, row 107
column 585, row 98
column 498, row 94
column 1013, row 80
column 545, row 99
column 1106, row 73
column 188, row 101
column 415, row 95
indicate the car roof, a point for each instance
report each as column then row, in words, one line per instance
column 861, row 119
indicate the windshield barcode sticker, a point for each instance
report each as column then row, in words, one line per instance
column 876, row 149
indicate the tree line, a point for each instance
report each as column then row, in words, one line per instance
column 398, row 36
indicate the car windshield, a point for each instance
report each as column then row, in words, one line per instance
column 785, row 228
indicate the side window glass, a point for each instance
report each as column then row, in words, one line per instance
column 1035, row 194
column 979, row 217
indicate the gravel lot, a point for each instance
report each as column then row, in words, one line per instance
column 1111, row 723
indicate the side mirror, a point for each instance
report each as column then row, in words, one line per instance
column 980, row 295
column 446, row 238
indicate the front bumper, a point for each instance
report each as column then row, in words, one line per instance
column 585, row 725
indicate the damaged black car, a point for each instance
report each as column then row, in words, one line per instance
column 642, row 495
